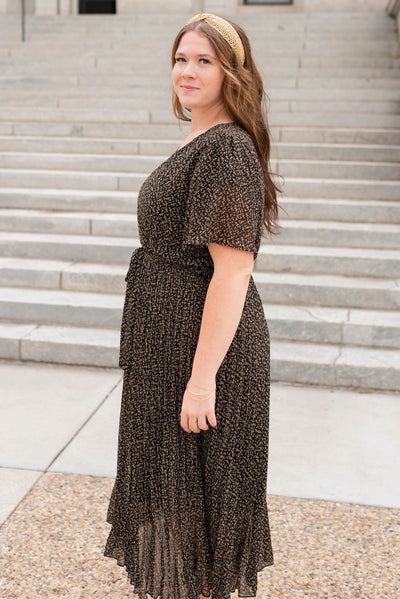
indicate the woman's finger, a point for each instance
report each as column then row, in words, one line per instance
column 211, row 418
column 193, row 425
column 202, row 423
column 185, row 422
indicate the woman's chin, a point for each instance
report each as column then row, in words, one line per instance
column 185, row 101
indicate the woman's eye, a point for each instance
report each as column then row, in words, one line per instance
column 178, row 58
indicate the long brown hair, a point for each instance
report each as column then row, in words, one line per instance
column 245, row 101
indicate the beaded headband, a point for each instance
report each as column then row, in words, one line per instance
column 225, row 29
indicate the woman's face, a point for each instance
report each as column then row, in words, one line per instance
column 197, row 67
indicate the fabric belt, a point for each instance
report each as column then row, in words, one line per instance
column 133, row 281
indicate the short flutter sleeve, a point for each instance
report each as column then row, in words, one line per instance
column 226, row 195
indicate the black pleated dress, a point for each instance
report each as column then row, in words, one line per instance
column 188, row 510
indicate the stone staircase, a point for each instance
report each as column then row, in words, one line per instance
column 86, row 114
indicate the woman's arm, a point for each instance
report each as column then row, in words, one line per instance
column 222, row 310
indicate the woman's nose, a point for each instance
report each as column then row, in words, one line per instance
column 188, row 69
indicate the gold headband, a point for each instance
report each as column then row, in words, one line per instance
column 225, row 29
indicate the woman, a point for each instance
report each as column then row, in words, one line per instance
column 188, row 508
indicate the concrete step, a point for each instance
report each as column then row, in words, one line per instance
column 315, row 260
column 147, row 163
column 323, row 119
column 383, row 68
column 90, row 45
column 357, row 367
column 286, row 34
column 294, row 323
column 152, row 132
column 66, row 93
column 356, row 153
column 349, row 61
column 82, row 114
column 102, row 310
column 12, row 146
column 65, row 179
column 337, row 135
column 67, row 275
column 147, row 131
column 68, row 247
column 59, row 345
column 316, row 324
column 123, row 83
column 26, row 270
column 288, row 288
column 339, row 234
column 337, row 81
column 332, row 365
column 328, row 291
column 293, row 60
column 73, row 274
column 73, row 223
column 349, row 169
column 357, row 15
column 366, row 211
column 113, row 69
column 296, row 232
column 276, row 118
column 106, row 146
column 88, row 162
column 310, row 187
column 70, row 201
column 103, row 59
column 383, row 48
column 349, row 262
column 53, row 84
column 286, row 100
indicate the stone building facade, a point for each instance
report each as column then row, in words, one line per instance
column 228, row 7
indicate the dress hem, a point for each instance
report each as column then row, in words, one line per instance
column 146, row 594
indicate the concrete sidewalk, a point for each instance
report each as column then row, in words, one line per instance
column 324, row 444
column 330, row 452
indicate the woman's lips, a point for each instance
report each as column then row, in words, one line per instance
column 188, row 88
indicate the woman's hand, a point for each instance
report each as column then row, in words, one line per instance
column 194, row 413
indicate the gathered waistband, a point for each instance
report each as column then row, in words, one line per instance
column 141, row 255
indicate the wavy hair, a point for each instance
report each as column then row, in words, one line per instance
column 245, row 101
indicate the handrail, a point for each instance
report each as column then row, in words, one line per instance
column 393, row 8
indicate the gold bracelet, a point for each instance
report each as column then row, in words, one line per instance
column 198, row 386
column 196, row 398
column 201, row 392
